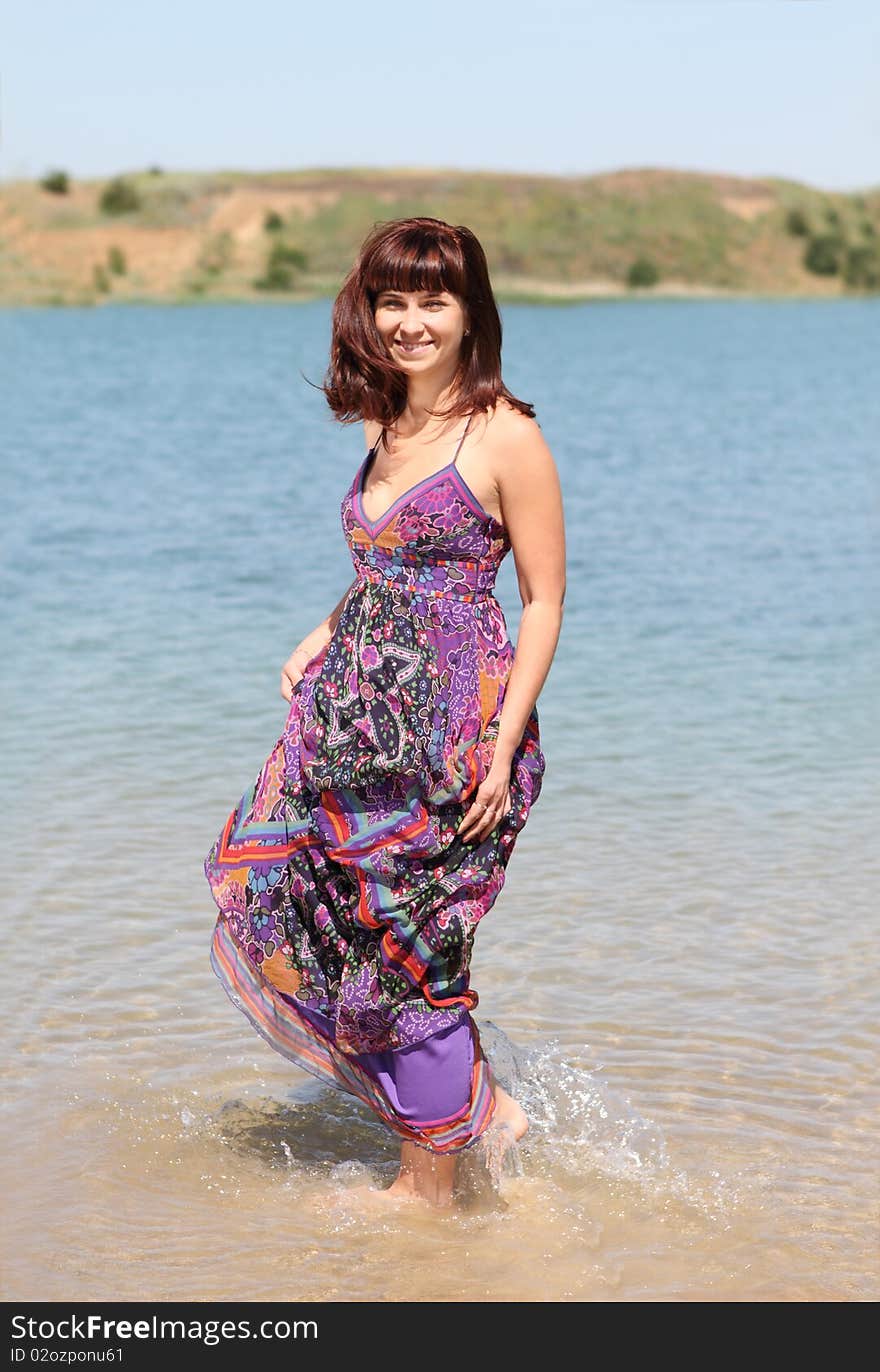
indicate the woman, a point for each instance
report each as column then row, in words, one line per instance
column 351, row 877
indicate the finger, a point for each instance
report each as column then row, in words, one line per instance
column 471, row 820
column 482, row 822
column 483, row 831
column 493, row 821
column 482, row 816
column 493, row 818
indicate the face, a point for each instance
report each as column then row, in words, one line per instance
column 431, row 322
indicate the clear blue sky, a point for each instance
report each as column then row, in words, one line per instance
column 752, row 87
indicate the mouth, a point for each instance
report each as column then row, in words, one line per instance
column 413, row 349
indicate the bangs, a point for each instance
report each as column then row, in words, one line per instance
column 414, row 260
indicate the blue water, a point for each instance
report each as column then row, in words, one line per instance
column 697, row 883
column 172, row 531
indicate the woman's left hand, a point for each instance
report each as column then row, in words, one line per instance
column 489, row 805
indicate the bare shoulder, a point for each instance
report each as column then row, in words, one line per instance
column 516, row 447
column 528, row 491
column 372, row 429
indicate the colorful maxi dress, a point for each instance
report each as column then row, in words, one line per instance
column 347, row 903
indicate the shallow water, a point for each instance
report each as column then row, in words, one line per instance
column 679, row 980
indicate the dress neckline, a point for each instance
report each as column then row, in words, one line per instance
column 373, row 525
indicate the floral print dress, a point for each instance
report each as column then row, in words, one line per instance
column 347, row 903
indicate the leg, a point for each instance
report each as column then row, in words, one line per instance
column 431, row 1176
column 427, row 1176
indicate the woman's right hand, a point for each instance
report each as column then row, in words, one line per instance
column 313, row 644
column 293, row 669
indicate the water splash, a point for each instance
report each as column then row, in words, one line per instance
column 582, row 1129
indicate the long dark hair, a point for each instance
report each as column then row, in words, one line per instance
column 362, row 380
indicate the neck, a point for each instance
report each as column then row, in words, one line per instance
column 423, row 395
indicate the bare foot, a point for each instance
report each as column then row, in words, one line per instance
column 436, row 1197
column 402, row 1191
column 510, row 1112
column 382, row 1196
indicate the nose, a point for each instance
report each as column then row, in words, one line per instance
column 412, row 325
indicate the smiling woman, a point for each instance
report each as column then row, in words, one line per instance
column 351, row 878
column 421, row 325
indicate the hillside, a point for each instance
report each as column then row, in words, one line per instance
column 189, row 236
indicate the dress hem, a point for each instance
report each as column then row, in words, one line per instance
column 301, row 1042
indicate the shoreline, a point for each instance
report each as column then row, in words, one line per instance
column 531, row 293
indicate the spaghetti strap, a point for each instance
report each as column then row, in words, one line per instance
column 381, row 438
column 461, row 440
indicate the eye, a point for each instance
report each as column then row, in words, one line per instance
column 391, row 304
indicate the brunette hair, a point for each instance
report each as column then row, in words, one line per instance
column 421, row 254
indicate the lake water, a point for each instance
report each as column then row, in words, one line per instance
column 680, row 977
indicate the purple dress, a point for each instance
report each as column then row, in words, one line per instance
column 347, row 903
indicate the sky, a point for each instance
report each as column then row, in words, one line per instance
column 785, row 88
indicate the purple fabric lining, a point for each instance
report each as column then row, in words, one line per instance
column 425, row 1083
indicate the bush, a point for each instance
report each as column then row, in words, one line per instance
column 56, row 182
column 154, row 171
column 823, row 255
column 282, row 263
column 272, row 222
column 862, row 268
column 100, row 278
column 167, row 204
column 643, row 272
column 797, row 224
column 217, row 254
column 119, row 197
column 116, row 261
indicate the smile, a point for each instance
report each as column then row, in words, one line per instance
column 413, row 348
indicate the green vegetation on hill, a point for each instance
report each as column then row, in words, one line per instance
column 234, row 235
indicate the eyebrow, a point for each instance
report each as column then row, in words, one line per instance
column 440, row 291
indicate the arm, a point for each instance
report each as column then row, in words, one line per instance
column 314, row 642
column 310, row 646
column 531, row 502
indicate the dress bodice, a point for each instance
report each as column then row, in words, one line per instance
column 435, row 540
